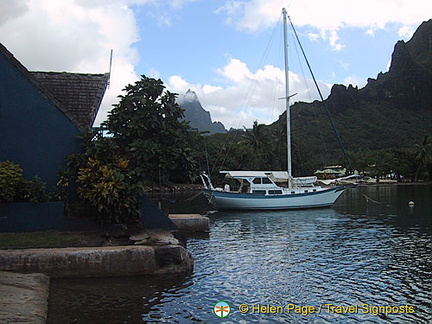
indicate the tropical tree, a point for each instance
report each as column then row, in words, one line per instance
column 422, row 154
column 143, row 142
column 256, row 137
column 148, row 128
column 256, row 142
column 276, row 150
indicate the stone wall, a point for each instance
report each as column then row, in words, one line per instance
column 98, row 261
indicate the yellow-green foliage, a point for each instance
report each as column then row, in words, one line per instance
column 106, row 188
column 14, row 188
column 10, row 178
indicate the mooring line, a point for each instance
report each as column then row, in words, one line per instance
column 374, row 201
column 194, row 196
column 368, row 198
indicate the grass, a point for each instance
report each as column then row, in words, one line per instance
column 58, row 239
column 39, row 240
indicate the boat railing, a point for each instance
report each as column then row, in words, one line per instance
column 206, row 181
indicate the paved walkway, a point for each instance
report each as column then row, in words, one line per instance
column 24, row 297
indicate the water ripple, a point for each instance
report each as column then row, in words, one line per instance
column 353, row 255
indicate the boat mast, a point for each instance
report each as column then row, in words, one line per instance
column 287, row 105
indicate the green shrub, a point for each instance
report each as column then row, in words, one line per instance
column 14, row 188
column 33, row 191
column 10, row 180
column 107, row 188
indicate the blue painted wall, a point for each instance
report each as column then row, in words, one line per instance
column 34, row 133
column 27, row 217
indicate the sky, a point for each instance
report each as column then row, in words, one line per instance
column 228, row 51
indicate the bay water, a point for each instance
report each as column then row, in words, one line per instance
column 366, row 259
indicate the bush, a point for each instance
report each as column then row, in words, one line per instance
column 33, row 191
column 143, row 142
column 10, row 179
column 14, row 188
column 107, row 187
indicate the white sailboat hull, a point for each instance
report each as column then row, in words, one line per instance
column 259, row 190
column 251, row 201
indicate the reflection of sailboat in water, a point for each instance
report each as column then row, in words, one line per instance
column 272, row 190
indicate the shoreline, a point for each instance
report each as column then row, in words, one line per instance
column 146, row 252
column 428, row 183
column 25, row 274
column 198, row 187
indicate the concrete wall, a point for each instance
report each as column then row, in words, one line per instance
column 98, row 261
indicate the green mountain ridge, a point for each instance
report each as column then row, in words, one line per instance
column 394, row 110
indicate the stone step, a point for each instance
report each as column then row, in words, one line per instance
column 99, row 261
column 190, row 222
column 24, row 297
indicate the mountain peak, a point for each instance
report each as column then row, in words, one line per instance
column 405, row 86
column 189, row 96
column 197, row 116
column 393, row 110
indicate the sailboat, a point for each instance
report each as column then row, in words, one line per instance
column 272, row 190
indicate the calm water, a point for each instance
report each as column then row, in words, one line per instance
column 360, row 255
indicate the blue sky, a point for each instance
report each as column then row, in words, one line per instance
column 197, row 50
column 214, row 47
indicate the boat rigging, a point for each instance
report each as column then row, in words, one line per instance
column 272, row 190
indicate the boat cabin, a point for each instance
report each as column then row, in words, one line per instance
column 265, row 183
column 255, row 184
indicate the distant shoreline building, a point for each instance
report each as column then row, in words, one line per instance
column 331, row 172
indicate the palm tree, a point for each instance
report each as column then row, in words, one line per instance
column 256, row 137
column 277, row 150
column 422, row 154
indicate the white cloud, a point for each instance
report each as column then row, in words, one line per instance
column 163, row 12
column 406, row 32
column 77, row 36
column 178, row 84
column 235, row 71
column 328, row 17
column 11, row 9
column 209, row 88
column 344, row 65
column 153, row 73
column 389, row 64
column 248, row 96
column 74, row 36
column 333, row 39
column 355, row 80
column 313, row 36
column 181, row 3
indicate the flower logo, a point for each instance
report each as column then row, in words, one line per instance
column 221, row 309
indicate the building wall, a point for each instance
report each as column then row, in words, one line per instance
column 34, row 133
